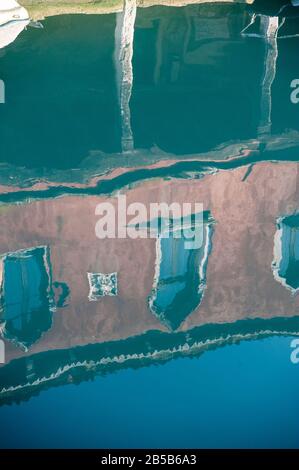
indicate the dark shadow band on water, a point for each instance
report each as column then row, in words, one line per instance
column 180, row 169
column 74, row 365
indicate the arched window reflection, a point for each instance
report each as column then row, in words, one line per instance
column 286, row 252
column 180, row 276
column 26, row 295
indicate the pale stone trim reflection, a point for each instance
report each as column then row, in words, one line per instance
column 269, row 26
column 13, row 20
column 124, row 44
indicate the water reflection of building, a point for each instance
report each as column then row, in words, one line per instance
column 239, row 280
column 191, row 70
column 92, row 311
column 196, row 76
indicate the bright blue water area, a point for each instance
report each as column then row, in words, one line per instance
column 242, row 395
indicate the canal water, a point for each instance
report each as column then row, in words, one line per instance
column 122, row 342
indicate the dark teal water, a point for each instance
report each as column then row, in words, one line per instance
column 194, row 354
column 198, row 91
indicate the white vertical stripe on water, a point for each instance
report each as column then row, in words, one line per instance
column 269, row 27
column 124, row 43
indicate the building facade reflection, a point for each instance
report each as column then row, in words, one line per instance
column 238, row 276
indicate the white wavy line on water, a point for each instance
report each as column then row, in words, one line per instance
column 185, row 348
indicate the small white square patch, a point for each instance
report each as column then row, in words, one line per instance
column 101, row 284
